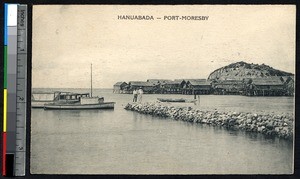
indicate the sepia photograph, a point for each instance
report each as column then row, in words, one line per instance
column 163, row 89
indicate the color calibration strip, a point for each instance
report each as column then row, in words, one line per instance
column 14, row 104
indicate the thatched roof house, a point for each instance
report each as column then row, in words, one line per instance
column 171, row 87
column 287, row 79
column 146, row 86
column 140, row 83
column 158, row 81
column 271, row 81
column 183, row 82
column 197, row 86
column 289, row 83
column 186, row 80
column 119, row 87
column 271, row 86
column 229, row 84
column 120, row 84
column 172, row 83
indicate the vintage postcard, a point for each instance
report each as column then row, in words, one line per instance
column 163, row 89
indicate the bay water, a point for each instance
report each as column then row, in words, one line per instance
column 126, row 142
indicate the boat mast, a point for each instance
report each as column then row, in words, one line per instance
column 91, row 80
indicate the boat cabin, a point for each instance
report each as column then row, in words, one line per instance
column 69, row 96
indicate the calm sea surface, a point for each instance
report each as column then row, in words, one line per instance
column 125, row 142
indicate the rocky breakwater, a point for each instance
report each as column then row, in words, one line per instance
column 268, row 124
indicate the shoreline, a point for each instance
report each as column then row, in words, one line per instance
column 268, row 124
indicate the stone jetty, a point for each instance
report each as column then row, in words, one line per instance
column 268, row 124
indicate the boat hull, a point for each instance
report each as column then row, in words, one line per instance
column 39, row 104
column 171, row 100
column 42, row 103
column 176, row 100
column 106, row 105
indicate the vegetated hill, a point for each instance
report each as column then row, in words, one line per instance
column 242, row 69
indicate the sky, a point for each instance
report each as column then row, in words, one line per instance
column 67, row 39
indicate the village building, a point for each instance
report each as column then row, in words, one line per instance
column 229, row 87
column 158, row 83
column 183, row 82
column 271, row 86
column 289, row 84
column 171, row 87
column 146, row 86
column 120, row 87
column 197, row 86
column 253, row 86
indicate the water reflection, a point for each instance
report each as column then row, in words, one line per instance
column 135, row 116
column 220, row 130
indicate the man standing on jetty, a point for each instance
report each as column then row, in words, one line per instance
column 140, row 94
column 135, row 94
